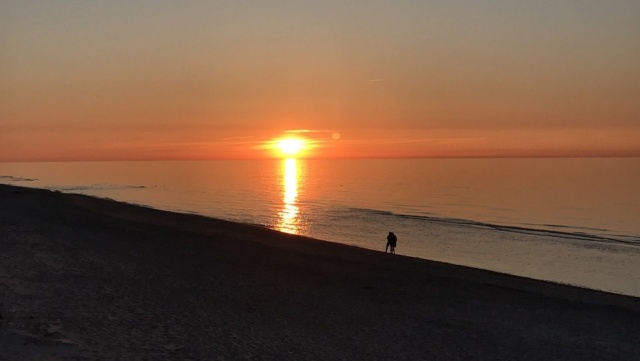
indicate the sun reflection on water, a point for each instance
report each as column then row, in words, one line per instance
column 288, row 220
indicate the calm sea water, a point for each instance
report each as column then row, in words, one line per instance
column 564, row 220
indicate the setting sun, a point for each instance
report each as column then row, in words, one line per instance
column 290, row 146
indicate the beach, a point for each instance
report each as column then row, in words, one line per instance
column 94, row 279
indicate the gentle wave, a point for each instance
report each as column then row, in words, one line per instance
column 9, row 178
column 618, row 239
column 95, row 187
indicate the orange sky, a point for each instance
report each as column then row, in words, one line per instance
column 208, row 80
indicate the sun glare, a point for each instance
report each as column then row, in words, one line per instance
column 290, row 146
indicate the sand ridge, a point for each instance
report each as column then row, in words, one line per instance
column 85, row 278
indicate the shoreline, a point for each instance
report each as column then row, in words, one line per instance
column 581, row 280
column 95, row 278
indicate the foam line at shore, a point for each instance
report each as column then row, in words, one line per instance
column 619, row 239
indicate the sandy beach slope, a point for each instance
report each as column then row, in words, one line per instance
column 89, row 279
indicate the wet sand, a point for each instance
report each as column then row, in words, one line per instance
column 92, row 279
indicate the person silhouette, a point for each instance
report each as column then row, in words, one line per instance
column 391, row 243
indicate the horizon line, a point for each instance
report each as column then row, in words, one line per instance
column 320, row 158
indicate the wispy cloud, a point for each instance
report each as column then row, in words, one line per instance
column 311, row 131
column 237, row 138
column 404, row 141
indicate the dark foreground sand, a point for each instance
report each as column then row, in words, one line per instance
column 89, row 279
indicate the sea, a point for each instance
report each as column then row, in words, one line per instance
column 573, row 221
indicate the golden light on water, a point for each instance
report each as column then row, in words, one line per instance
column 288, row 219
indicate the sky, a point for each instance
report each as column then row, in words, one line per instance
column 129, row 80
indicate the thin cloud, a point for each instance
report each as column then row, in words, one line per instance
column 404, row 141
column 310, row 131
column 236, row 138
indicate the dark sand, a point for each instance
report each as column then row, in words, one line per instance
column 89, row 279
